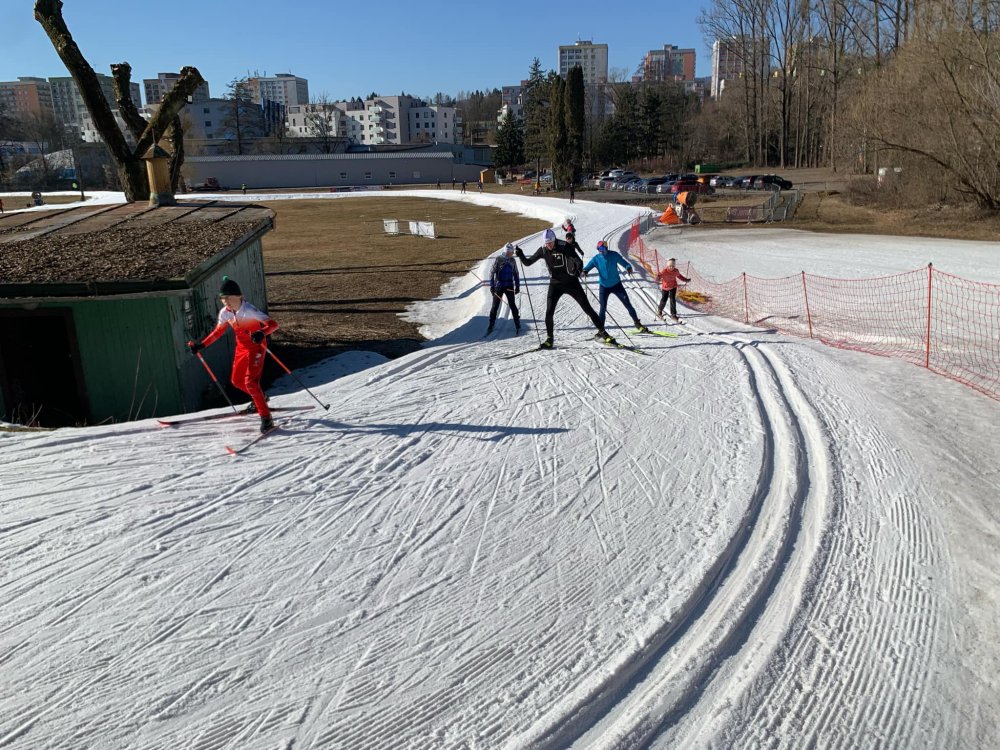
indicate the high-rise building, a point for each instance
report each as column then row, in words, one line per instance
column 733, row 57
column 69, row 108
column 284, row 88
column 669, row 64
column 157, row 88
column 28, row 96
column 592, row 59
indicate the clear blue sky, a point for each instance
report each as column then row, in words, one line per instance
column 348, row 47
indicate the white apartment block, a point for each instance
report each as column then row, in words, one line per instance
column 68, row 104
column 157, row 88
column 284, row 88
column 384, row 120
column 592, row 58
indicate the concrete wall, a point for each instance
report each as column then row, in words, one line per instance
column 328, row 170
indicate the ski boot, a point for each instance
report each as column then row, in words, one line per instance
column 251, row 408
column 266, row 424
column 517, row 327
column 547, row 344
column 641, row 328
column 606, row 337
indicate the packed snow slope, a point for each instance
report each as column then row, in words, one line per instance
column 740, row 540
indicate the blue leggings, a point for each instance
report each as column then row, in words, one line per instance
column 619, row 291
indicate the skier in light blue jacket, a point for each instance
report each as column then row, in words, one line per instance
column 607, row 262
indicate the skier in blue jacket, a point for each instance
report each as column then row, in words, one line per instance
column 607, row 262
column 505, row 281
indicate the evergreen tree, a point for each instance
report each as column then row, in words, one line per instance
column 557, row 136
column 625, row 123
column 650, row 122
column 535, row 97
column 510, row 143
column 574, row 102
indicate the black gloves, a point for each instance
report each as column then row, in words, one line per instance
column 519, row 253
column 257, row 336
column 195, row 346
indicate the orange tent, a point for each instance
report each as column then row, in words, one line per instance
column 669, row 216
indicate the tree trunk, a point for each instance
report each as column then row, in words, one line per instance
column 128, row 162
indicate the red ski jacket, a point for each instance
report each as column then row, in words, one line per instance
column 244, row 322
column 668, row 278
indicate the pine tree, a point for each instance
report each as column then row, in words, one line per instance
column 510, row 143
column 535, row 96
column 557, row 132
column 574, row 102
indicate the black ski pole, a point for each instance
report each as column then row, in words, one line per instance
column 216, row 381
column 325, row 406
column 527, row 292
column 608, row 313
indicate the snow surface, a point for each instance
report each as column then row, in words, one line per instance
column 742, row 540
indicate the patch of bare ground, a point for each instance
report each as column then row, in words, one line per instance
column 336, row 282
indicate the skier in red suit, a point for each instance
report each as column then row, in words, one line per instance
column 251, row 327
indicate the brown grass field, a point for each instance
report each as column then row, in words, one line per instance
column 336, row 282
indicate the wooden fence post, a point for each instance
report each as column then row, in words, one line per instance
column 746, row 304
column 805, row 294
column 927, row 356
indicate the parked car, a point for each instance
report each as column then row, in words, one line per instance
column 624, row 183
column 722, row 180
column 746, row 183
column 690, row 186
column 652, row 183
column 773, row 182
column 623, row 178
column 605, row 183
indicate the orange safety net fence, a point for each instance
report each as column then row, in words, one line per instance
column 946, row 323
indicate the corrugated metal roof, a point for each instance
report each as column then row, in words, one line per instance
column 395, row 155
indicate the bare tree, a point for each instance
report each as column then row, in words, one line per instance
column 128, row 161
column 322, row 122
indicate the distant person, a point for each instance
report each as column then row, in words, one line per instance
column 572, row 193
column 463, row 185
column 564, row 278
column 439, row 184
column 607, row 262
column 244, row 188
column 505, row 282
column 480, row 185
column 452, row 183
column 668, row 285
column 252, row 327
column 1, row 205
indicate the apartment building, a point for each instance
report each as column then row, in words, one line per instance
column 592, row 59
column 68, row 103
column 732, row 57
column 668, row 64
column 384, row 120
column 284, row 88
column 28, row 96
column 157, row 88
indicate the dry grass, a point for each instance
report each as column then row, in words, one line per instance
column 337, row 282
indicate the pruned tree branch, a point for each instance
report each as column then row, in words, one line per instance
column 122, row 76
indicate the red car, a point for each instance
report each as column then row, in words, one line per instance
column 690, row 186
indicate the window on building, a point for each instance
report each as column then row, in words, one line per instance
column 433, row 134
column 343, row 175
column 205, row 110
column 392, row 175
column 368, row 175
column 208, row 123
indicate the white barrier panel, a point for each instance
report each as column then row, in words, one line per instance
column 391, row 226
column 426, row 229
